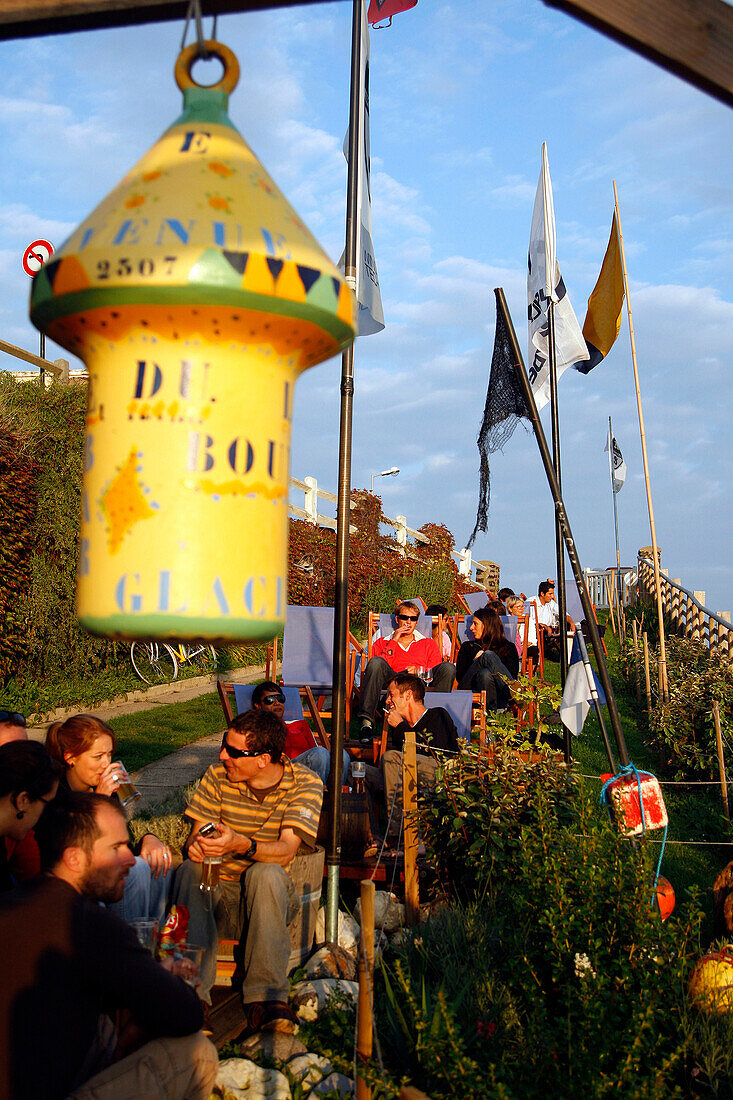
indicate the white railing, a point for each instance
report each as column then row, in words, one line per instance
column 687, row 611
column 309, row 512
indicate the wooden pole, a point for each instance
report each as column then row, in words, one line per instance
column 647, row 675
column 721, row 762
column 365, row 1028
column 664, row 692
column 636, row 661
column 409, row 809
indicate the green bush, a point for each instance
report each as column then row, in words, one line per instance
column 549, row 974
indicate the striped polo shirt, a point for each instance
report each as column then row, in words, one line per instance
column 295, row 803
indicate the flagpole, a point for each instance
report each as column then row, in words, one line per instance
column 559, row 548
column 663, row 681
column 585, row 600
column 615, row 518
column 343, row 509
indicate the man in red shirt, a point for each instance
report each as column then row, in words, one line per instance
column 403, row 651
column 301, row 745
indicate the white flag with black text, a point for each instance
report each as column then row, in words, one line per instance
column 371, row 315
column 618, row 466
column 544, row 284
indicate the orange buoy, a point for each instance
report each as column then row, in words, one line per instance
column 195, row 295
column 664, row 898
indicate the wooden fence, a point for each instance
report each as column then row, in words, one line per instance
column 686, row 610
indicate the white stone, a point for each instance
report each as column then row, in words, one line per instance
column 308, row 998
column 242, row 1078
column 389, row 913
column 309, row 1069
column 334, row 1083
column 348, row 931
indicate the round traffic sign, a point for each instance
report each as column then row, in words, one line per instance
column 36, row 255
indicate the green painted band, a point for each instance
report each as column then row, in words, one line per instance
column 82, row 301
column 130, row 628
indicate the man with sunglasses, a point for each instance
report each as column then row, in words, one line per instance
column 402, row 651
column 301, row 746
column 263, row 807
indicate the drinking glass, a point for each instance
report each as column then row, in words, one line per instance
column 147, row 933
column 187, row 958
column 210, row 874
column 126, row 792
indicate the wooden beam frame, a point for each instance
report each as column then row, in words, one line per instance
column 28, row 18
column 691, row 38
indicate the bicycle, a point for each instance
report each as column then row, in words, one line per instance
column 159, row 662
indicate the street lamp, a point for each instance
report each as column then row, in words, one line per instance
column 385, row 473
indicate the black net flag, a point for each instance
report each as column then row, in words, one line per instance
column 505, row 407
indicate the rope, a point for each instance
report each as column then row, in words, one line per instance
column 668, row 782
column 194, row 10
column 628, row 770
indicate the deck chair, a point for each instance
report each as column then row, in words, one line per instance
column 307, row 658
column 474, row 601
column 237, row 698
column 466, row 708
column 387, row 623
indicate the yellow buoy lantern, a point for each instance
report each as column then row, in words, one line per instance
column 195, row 295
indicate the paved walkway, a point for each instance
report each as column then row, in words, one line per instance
column 157, row 780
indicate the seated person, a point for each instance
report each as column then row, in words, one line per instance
column 443, row 642
column 548, row 617
column 300, row 745
column 515, row 606
column 434, row 732
column 400, row 652
column 69, row 965
column 29, row 779
column 84, row 745
column 23, row 858
column 263, row 807
column 503, row 594
column 489, row 661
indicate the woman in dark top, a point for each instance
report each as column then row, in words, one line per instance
column 489, row 661
column 29, row 779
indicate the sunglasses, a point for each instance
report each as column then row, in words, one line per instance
column 408, row 618
column 235, row 754
column 268, row 700
column 12, row 717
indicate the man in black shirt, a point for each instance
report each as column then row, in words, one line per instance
column 434, row 731
column 69, row 967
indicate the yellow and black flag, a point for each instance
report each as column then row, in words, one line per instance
column 603, row 319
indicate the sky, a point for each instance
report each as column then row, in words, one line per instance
column 462, row 96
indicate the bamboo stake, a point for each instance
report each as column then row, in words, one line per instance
column 664, row 686
column 636, row 660
column 647, row 675
column 366, row 974
column 721, row 762
column 409, row 808
column 610, row 603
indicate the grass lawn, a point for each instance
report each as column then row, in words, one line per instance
column 148, row 735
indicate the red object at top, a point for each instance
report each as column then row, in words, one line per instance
column 385, row 9
column 300, row 738
column 422, row 653
column 622, row 796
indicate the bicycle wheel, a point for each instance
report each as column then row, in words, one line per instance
column 202, row 658
column 153, row 662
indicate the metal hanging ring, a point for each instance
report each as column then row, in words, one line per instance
column 192, row 53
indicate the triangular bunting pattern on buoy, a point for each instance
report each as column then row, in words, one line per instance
column 275, row 267
column 238, row 260
column 308, row 276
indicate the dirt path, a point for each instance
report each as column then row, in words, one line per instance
column 157, row 780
